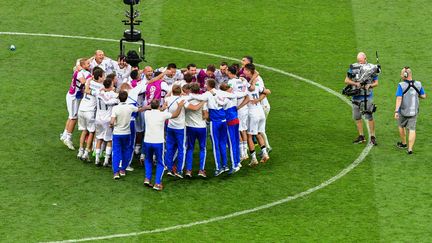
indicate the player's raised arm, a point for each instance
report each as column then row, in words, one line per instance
column 158, row 77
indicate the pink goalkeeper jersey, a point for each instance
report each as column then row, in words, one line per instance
column 76, row 84
column 154, row 91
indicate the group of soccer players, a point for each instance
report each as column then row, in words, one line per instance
column 159, row 114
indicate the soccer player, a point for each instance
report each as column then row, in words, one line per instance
column 73, row 99
column 105, row 101
column 218, row 126
column 100, row 60
column 154, row 141
column 240, row 85
column 204, row 75
column 186, row 89
column 245, row 60
column 191, row 69
column 187, row 80
column 147, row 73
column 133, row 94
column 139, row 93
column 196, row 128
column 122, row 71
column 134, row 88
column 86, row 113
column 230, row 107
column 172, row 74
column 256, row 119
column 158, row 88
column 255, row 81
column 120, row 121
column 221, row 75
column 175, row 133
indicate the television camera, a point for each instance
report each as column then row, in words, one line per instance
column 133, row 58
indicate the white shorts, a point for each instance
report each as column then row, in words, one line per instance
column 256, row 122
column 103, row 131
column 72, row 105
column 139, row 122
column 86, row 121
column 243, row 115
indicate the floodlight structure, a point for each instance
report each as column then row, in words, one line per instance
column 132, row 35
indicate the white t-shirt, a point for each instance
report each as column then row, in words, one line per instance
column 122, row 112
column 88, row 103
column 154, row 125
column 105, row 103
column 195, row 118
column 172, row 104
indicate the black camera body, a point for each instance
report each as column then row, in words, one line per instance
column 132, row 58
column 350, row 91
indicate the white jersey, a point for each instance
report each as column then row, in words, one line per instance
column 154, row 125
column 172, row 105
column 86, row 75
column 138, row 93
column 107, row 64
column 122, row 112
column 122, row 74
column 264, row 102
column 238, row 86
column 195, row 118
column 254, row 95
column 134, row 93
column 165, row 89
column 105, row 103
column 215, row 103
column 170, row 80
column 88, row 103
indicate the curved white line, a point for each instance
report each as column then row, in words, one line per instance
column 341, row 174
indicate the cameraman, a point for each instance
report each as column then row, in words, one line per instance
column 407, row 107
column 363, row 77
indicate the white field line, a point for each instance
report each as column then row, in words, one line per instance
column 341, row 174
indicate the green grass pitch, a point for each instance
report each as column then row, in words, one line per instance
column 46, row 194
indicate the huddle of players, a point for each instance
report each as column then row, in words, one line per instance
column 230, row 102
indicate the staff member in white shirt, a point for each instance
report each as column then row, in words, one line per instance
column 120, row 120
column 154, row 141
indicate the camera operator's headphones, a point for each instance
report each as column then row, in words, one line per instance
column 406, row 71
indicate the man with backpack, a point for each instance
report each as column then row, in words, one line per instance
column 407, row 108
